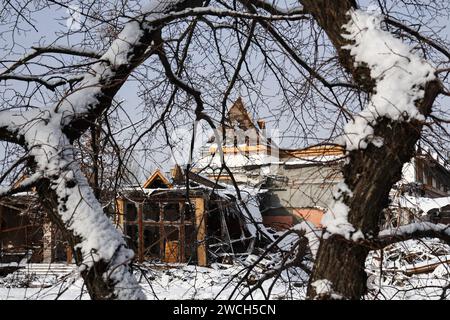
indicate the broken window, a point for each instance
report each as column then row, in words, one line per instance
column 131, row 231
column 167, row 229
column 151, row 211
column 190, row 247
column 151, row 241
column 131, row 212
column 189, row 210
column 172, row 212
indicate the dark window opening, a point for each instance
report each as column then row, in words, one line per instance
column 132, row 233
column 419, row 171
column 171, row 212
column 131, row 212
column 429, row 177
column 171, row 233
column 151, row 212
column 190, row 247
column 158, row 183
column 189, row 212
column 152, row 241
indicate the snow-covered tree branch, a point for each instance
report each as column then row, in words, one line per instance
column 382, row 66
column 48, row 135
column 101, row 101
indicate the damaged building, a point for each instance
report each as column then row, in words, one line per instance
column 182, row 221
column 189, row 219
column 297, row 184
column 26, row 235
column 294, row 184
column 199, row 217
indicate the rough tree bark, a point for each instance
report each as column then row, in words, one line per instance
column 69, row 123
column 370, row 173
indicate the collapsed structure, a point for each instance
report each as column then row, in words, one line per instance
column 199, row 216
column 27, row 235
column 191, row 219
column 297, row 184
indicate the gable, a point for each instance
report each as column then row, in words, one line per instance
column 157, row 181
column 239, row 115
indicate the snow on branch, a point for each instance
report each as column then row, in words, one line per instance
column 413, row 231
column 51, row 84
column 79, row 209
column 311, row 233
column 43, row 134
column 335, row 218
column 274, row 8
column 23, row 185
column 324, row 289
column 400, row 76
column 218, row 12
column 37, row 51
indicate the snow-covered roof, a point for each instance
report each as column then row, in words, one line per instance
column 421, row 203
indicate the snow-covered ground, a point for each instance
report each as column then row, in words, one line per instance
column 158, row 281
column 398, row 279
column 410, row 270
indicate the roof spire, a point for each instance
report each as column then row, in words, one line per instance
column 238, row 114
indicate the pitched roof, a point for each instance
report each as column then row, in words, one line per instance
column 157, row 180
column 238, row 114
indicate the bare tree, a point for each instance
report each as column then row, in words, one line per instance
column 323, row 59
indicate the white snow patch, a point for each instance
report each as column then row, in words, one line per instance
column 118, row 53
column 421, row 203
column 399, row 73
column 312, row 233
column 335, row 219
column 322, row 286
column 415, row 227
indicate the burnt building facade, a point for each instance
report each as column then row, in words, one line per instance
column 171, row 223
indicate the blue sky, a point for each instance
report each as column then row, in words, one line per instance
column 49, row 23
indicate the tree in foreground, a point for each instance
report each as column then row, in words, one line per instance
column 367, row 80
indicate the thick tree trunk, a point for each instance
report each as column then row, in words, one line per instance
column 98, row 287
column 370, row 173
column 63, row 191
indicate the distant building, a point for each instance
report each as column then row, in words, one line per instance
column 426, row 175
column 297, row 184
column 423, row 193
